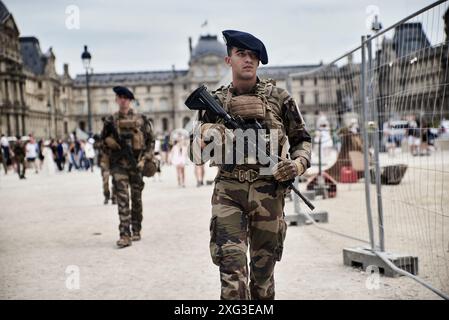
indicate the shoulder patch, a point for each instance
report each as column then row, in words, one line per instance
column 284, row 95
column 293, row 109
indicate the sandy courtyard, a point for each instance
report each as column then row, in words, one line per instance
column 52, row 224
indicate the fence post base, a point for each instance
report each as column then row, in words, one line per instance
column 364, row 257
column 300, row 219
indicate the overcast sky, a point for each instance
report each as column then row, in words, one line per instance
column 131, row 35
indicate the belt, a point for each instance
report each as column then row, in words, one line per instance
column 250, row 175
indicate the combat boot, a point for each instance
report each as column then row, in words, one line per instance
column 124, row 241
column 106, row 200
column 136, row 236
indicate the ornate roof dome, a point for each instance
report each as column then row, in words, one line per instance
column 208, row 45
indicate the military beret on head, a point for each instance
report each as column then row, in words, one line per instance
column 124, row 92
column 244, row 40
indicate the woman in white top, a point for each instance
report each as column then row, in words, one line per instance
column 90, row 152
column 31, row 153
column 178, row 157
column 49, row 167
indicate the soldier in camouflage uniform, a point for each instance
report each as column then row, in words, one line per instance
column 247, row 207
column 2, row 161
column 128, row 140
column 19, row 155
column 106, row 174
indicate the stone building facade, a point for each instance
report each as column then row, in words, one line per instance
column 161, row 94
column 35, row 99
column 13, row 110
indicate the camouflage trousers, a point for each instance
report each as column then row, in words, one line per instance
column 129, row 180
column 21, row 167
column 105, row 174
column 247, row 214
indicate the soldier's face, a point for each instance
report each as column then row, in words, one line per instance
column 244, row 63
column 122, row 102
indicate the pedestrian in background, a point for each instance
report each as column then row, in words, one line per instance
column 89, row 152
column 60, row 155
column 199, row 175
column 178, row 158
column 19, row 156
column 32, row 153
column 6, row 152
column 49, row 166
column 40, row 146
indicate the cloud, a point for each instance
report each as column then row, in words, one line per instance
column 144, row 35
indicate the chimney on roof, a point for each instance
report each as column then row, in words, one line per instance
column 50, row 53
column 66, row 69
column 190, row 46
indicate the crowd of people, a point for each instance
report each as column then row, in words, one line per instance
column 418, row 135
column 415, row 135
column 51, row 156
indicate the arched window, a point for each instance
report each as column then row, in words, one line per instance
column 148, row 105
column 198, row 73
column 185, row 121
column 211, row 71
column 82, row 125
column 81, row 107
column 104, row 107
column 163, row 104
column 164, row 124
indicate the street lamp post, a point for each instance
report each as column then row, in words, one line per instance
column 48, row 129
column 86, row 57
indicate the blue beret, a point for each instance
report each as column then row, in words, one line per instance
column 244, row 40
column 123, row 91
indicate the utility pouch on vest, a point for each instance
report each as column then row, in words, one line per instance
column 247, row 107
column 138, row 140
column 127, row 125
column 131, row 130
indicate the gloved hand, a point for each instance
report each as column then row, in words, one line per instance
column 111, row 143
column 288, row 169
column 206, row 131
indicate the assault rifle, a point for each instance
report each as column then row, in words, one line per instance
column 125, row 149
column 201, row 99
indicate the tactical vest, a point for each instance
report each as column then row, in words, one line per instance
column 270, row 113
column 130, row 130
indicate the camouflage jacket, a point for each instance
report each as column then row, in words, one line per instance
column 19, row 151
column 282, row 113
column 140, row 138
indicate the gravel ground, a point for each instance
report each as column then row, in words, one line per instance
column 52, row 224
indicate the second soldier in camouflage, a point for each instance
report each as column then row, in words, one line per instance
column 128, row 140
